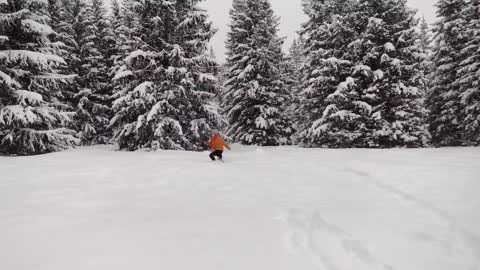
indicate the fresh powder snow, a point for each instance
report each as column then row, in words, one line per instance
column 264, row 208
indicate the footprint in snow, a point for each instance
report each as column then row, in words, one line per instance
column 326, row 245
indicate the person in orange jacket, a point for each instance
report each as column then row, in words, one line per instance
column 217, row 145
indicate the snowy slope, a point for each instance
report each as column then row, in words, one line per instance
column 266, row 208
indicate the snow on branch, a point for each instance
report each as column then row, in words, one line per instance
column 345, row 115
column 9, row 18
column 43, row 2
column 389, row 47
column 378, row 74
column 18, row 114
column 365, row 107
column 159, row 108
column 261, row 122
column 362, row 69
column 8, row 80
column 207, row 77
column 136, row 54
column 177, row 52
column 24, row 57
column 26, row 98
column 122, row 74
column 250, row 68
column 53, row 76
column 167, row 123
column 33, row 27
column 140, row 91
column 3, row 38
column 41, row 141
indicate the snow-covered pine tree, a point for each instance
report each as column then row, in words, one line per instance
column 167, row 100
column 469, row 76
column 443, row 99
column 255, row 95
column 387, row 49
column 32, row 120
column 64, row 13
column 378, row 102
column 123, row 22
column 96, row 41
column 328, row 32
column 294, row 61
column 213, row 69
column 296, row 51
column 291, row 76
column 424, row 55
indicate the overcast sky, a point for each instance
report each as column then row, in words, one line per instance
column 291, row 15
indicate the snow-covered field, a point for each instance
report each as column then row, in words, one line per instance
column 264, row 208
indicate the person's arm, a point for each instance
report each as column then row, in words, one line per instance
column 227, row 146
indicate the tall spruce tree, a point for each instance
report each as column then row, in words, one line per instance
column 32, row 120
column 255, row 94
column 123, row 23
column 167, row 101
column 424, row 55
column 96, row 42
column 329, row 31
column 291, row 74
column 468, row 81
column 443, row 99
column 360, row 87
column 296, row 51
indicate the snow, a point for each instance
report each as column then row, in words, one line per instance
column 55, row 76
column 27, row 57
column 45, row 2
column 207, row 77
column 3, row 38
column 140, row 91
column 378, row 74
column 364, row 69
column 137, row 54
column 389, row 47
column 31, row 26
column 8, row 80
column 261, row 123
column 28, row 97
column 122, row 74
column 8, row 18
column 3, row 2
column 264, row 208
column 18, row 114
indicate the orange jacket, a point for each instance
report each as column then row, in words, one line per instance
column 217, row 143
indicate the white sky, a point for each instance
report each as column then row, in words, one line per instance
column 291, row 14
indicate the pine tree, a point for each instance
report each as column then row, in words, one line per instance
column 468, row 81
column 167, row 101
column 425, row 50
column 96, row 43
column 361, row 75
column 329, row 31
column 215, row 68
column 443, row 99
column 296, row 52
column 255, row 92
column 291, row 74
column 32, row 120
column 123, row 24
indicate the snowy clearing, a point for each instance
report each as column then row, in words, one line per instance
column 264, row 208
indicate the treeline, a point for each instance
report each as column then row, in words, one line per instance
column 362, row 73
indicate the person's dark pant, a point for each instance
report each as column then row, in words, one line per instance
column 216, row 153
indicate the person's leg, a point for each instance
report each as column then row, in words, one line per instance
column 212, row 156
column 220, row 155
